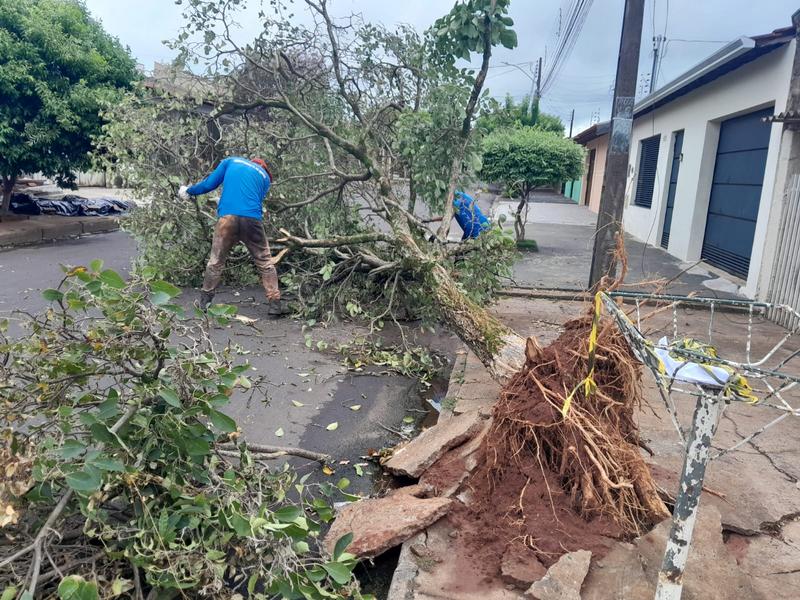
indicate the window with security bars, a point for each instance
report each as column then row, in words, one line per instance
column 646, row 180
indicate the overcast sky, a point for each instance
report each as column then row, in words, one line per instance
column 584, row 83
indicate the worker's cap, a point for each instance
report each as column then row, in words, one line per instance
column 263, row 164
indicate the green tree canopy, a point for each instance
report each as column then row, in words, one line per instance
column 58, row 68
column 526, row 158
column 512, row 114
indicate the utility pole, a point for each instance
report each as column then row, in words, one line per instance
column 539, row 79
column 612, row 198
column 657, row 40
column 571, row 121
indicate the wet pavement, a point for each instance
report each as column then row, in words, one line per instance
column 308, row 390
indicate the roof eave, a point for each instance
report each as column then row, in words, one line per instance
column 722, row 56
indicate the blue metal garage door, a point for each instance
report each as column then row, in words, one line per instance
column 736, row 192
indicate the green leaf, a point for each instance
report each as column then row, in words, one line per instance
column 160, row 298
column 508, row 38
column 196, row 446
column 333, row 426
column 343, row 483
column 70, row 449
column 108, row 464
column 222, row 421
column 165, row 287
column 52, row 295
column 341, row 545
column 75, row 587
column 96, row 265
column 279, row 432
column 112, row 279
column 88, row 480
column 338, row 572
column 355, row 407
column 9, row 593
column 171, row 397
column 287, row 514
column 297, row 404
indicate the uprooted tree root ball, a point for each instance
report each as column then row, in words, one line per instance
column 558, row 483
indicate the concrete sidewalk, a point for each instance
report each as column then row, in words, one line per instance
column 18, row 230
column 750, row 531
column 564, row 234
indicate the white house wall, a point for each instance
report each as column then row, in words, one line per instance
column 755, row 85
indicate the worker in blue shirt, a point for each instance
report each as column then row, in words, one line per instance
column 245, row 184
column 469, row 215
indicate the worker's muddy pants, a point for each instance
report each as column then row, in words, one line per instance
column 230, row 230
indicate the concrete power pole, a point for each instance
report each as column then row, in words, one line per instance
column 612, row 197
column 657, row 41
column 571, row 121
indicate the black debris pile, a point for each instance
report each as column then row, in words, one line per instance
column 69, row 205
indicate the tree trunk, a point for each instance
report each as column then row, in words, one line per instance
column 500, row 349
column 5, row 197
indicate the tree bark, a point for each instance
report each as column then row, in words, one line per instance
column 7, row 189
column 499, row 348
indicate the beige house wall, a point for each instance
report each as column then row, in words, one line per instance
column 600, row 146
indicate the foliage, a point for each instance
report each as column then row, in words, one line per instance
column 59, row 68
column 523, row 159
column 113, row 430
column 461, row 32
column 511, row 114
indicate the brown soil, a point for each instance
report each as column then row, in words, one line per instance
column 546, row 485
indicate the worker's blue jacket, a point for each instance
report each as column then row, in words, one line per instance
column 244, row 186
column 469, row 216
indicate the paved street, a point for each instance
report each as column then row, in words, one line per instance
column 277, row 349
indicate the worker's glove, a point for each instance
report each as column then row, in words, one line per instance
column 182, row 193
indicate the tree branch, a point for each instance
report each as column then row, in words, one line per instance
column 274, row 451
column 466, row 126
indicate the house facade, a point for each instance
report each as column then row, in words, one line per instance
column 595, row 140
column 708, row 161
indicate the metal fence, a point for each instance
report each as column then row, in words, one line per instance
column 784, row 287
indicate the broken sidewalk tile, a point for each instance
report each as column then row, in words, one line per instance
column 564, row 579
column 380, row 524
column 712, row 572
column 416, row 456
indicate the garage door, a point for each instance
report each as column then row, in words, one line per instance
column 736, row 192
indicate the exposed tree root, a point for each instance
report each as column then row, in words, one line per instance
column 594, row 450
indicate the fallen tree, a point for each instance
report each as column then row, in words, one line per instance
column 370, row 132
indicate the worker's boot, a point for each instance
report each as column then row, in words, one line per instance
column 206, row 298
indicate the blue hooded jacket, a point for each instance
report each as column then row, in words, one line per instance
column 469, row 215
column 244, row 187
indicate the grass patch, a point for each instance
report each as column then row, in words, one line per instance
column 528, row 245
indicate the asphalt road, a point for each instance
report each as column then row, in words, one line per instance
column 297, row 375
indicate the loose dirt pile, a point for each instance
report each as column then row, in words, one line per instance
column 547, row 484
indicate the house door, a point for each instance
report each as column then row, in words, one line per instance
column 677, row 148
column 736, row 192
column 589, row 175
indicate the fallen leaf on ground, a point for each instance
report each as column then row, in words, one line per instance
column 327, row 470
column 279, row 432
column 333, row 426
column 245, row 319
column 297, row 404
column 355, row 407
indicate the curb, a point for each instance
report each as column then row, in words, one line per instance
column 30, row 232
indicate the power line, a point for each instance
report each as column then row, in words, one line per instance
column 579, row 9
